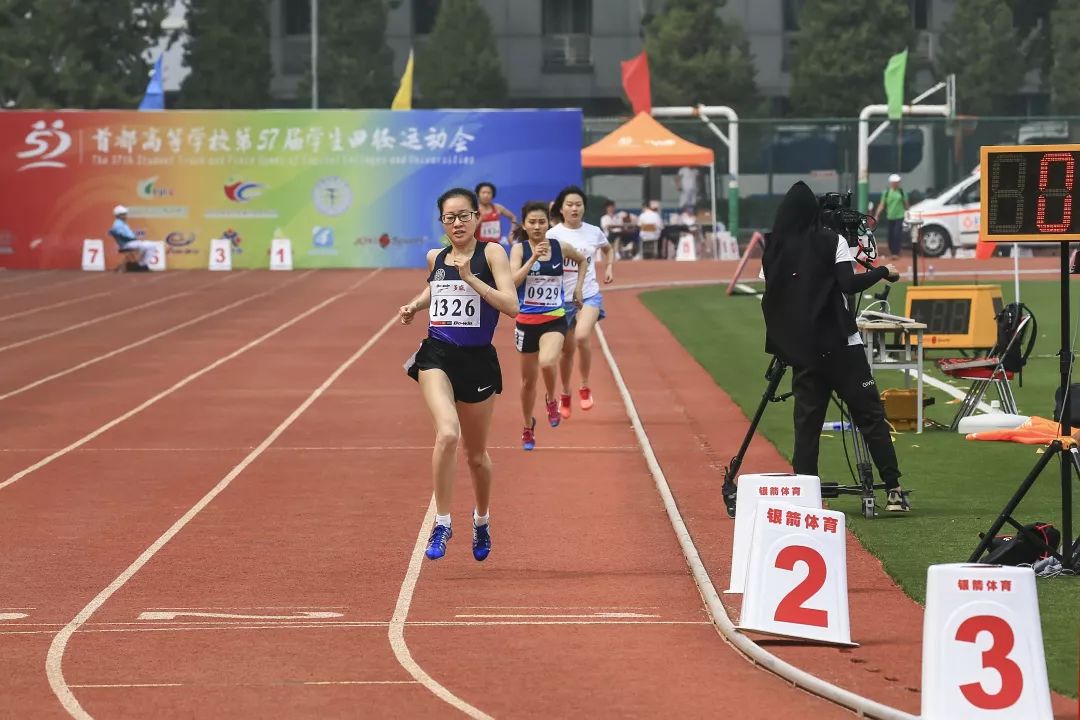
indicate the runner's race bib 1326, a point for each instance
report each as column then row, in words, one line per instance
column 454, row 304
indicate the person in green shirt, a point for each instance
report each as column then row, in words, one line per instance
column 893, row 203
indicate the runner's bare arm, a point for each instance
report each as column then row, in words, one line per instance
column 502, row 297
column 507, row 213
column 421, row 301
column 518, row 270
column 609, row 267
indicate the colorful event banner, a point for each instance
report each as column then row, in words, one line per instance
column 349, row 188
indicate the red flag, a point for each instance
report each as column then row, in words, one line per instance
column 635, row 80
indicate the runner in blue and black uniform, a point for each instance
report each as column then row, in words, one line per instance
column 469, row 285
column 537, row 266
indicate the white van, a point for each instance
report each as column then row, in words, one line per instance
column 951, row 219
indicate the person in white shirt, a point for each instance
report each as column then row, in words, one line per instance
column 686, row 182
column 569, row 208
column 126, row 239
column 651, row 226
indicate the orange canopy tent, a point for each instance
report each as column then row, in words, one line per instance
column 643, row 142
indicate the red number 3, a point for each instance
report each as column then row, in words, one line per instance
column 995, row 658
column 791, row 608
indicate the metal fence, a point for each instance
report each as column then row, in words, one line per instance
column 931, row 154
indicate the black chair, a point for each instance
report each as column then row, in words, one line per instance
column 129, row 256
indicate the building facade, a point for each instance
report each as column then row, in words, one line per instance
column 567, row 52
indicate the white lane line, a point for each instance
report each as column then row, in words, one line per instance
column 360, row 682
column 12, row 615
column 751, row 651
column 173, row 614
column 62, row 303
column 55, row 658
column 50, row 286
column 401, row 613
column 297, row 608
column 110, row 316
column 176, row 386
column 277, row 684
column 557, row 615
column 132, row 685
column 557, row 607
column 943, row 386
column 27, row 275
column 149, row 338
column 51, row 629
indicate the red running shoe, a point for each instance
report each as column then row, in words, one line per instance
column 553, row 412
column 586, row 398
column 528, row 436
column 564, row 406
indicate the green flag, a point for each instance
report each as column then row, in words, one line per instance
column 894, row 84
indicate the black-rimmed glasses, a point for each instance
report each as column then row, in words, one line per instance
column 464, row 216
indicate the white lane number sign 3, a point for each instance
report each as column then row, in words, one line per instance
column 543, row 290
column 454, row 304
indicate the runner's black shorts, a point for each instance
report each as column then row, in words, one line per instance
column 474, row 371
column 527, row 337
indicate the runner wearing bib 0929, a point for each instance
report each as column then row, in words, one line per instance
column 588, row 240
column 469, row 286
column 538, row 267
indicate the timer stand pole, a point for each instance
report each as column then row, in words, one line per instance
column 1069, row 456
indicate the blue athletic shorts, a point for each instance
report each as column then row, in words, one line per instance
column 596, row 301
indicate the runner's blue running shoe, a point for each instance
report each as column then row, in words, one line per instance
column 481, row 541
column 436, row 546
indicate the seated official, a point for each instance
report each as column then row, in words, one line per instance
column 126, row 239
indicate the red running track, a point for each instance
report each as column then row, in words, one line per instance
column 222, row 519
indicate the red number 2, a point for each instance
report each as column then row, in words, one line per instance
column 995, row 658
column 790, row 609
column 1062, row 192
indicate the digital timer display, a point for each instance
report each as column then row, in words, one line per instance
column 1029, row 193
column 943, row 316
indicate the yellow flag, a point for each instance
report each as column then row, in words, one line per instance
column 403, row 99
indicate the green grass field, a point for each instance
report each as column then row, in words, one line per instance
column 959, row 486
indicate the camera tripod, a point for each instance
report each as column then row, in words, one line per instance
column 863, row 468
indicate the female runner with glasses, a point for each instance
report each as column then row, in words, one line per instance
column 536, row 265
column 469, row 285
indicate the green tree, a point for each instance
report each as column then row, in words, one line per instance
column 67, row 53
column 1066, row 68
column 697, row 57
column 843, row 47
column 228, row 52
column 459, row 65
column 980, row 45
column 355, row 63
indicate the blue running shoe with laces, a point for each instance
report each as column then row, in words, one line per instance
column 436, row 547
column 481, row 541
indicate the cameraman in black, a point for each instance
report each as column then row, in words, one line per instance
column 809, row 325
